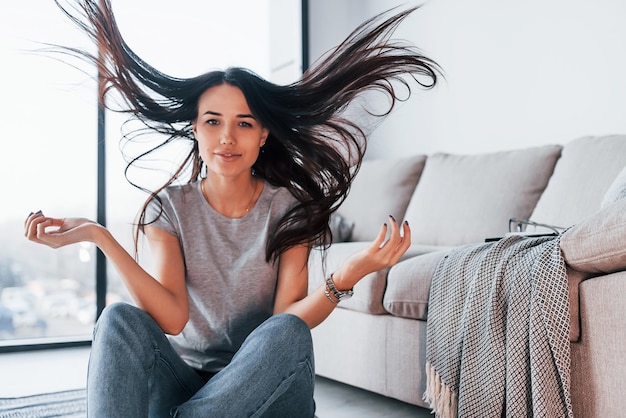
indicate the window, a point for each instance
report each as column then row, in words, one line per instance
column 47, row 162
column 48, row 155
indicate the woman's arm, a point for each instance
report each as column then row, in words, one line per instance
column 291, row 292
column 164, row 300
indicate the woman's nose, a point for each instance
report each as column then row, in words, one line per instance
column 226, row 138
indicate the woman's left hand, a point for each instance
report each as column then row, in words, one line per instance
column 382, row 253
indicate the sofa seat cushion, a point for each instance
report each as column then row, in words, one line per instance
column 368, row 293
column 408, row 285
column 463, row 199
column 582, row 176
column 381, row 188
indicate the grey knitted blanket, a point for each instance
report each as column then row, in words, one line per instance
column 498, row 331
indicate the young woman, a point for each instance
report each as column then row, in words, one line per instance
column 221, row 328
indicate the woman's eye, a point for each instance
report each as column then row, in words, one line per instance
column 245, row 124
column 212, row 122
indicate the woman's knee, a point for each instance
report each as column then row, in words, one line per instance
column 117, row 310
column 285, row 335
column 125, row 321
column 292, row 328
column 117, row 314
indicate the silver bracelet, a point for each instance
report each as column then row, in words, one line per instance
column 338, row 294
column 329, row 296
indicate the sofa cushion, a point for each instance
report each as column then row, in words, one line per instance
column 598, row 243
column 581, row 178
column 381, row 188
column 408, row 285
column 617, row 189
column 463, row 199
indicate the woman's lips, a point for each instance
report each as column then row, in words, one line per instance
column 227, row 156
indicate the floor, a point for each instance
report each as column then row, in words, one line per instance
column 61, row 369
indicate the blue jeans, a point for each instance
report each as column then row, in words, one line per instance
column 134, row 372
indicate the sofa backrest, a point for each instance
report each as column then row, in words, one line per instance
column 381, row 188
column 585, row 171
column 463, row 199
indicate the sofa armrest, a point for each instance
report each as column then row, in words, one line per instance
column 597, row 245
column 597, row 359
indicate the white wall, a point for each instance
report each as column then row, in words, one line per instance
column 285, row 43
column 517, row 73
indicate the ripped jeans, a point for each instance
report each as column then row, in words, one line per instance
column 134, row 372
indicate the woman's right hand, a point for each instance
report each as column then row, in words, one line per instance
column 165, row 300
column 58, row 232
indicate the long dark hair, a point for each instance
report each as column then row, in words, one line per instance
column 313, row 149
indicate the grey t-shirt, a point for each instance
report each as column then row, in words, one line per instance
column 230, row 285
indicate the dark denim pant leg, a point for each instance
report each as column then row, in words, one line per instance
column 133, row 369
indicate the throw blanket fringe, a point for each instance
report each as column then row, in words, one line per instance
column 443, row 400
column 498, row 331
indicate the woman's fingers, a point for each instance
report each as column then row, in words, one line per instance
column 395, row 237
column 41, row 227
column 383, row 252
column 37, row 229
column 382, row 240
column 391, row 248
column 29, row 220
column 398, row 242
column 31, row 224
column 406, row 235
column 403, row 244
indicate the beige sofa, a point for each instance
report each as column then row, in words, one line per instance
column 377, row 339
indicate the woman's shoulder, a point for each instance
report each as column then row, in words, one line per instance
column 179, row 190
column 279, row 195
column 176, row 194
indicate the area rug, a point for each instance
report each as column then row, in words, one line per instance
column 67, row 404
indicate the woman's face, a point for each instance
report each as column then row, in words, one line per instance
column 229, row 136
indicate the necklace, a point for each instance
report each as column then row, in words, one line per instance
column 256, row 186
